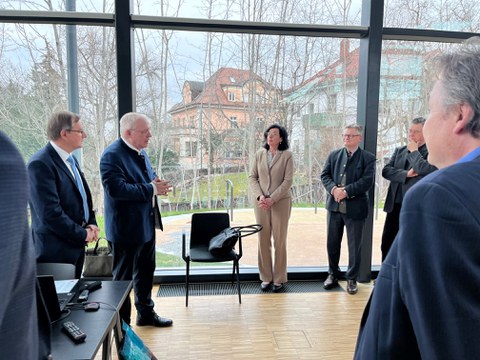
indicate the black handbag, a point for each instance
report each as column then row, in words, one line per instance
column 222, row 244
column 98, row 261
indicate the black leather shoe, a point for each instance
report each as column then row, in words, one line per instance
column 330, row 283
column 277, row 288
column 265, row 286
column 352, row 287
column 155, row 320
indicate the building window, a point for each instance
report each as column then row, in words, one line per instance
column 332, row 103
column 231, row 96
column 233, row 122
column 190, row 148
column 311, row 108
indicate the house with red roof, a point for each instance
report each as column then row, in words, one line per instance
column 214, row 121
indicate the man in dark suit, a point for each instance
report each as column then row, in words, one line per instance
column 132, row 213
column 406, row 167
column 425, row 304
column 63, row 220
column 347, row 176
column 22, row 336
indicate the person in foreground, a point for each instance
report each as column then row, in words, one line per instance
column 19, row 324
column 63, row 220
column 406, row 167
column 132, row 214
column 425, row 304
column 347, row 176
column 270, row 182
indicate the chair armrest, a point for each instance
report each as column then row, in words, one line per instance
column 240, row 247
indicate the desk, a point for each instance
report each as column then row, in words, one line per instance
column 98, row 325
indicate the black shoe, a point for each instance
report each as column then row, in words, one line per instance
column 265, row 286
column 277, row 288
column 155, row 320
column 352, row 287
column 330, row 283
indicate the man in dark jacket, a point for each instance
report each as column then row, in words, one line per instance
column 347, row 176
column 132, row 214
column 63, row 220
column 406, row 167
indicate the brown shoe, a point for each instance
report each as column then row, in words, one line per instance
column 352, row 288
column 330, row 283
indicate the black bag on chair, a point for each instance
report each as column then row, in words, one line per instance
column 222, row 244
column 98, row 261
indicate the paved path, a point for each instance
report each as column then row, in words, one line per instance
column 306, row 237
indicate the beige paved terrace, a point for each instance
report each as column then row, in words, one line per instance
column 306, row 237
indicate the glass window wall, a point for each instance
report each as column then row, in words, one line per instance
column 212, row 94
column 34, row 81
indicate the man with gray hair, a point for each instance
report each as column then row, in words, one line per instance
column 425, row 304
column 347, row 176
column 406, row 167
column 132, row 214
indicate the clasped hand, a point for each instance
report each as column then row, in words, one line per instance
column 339, row 194
column 265, row 203
column 163, row 186
column 92, row 233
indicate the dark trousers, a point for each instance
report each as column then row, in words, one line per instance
column 390, row 229
column 135, row 262
column 336, row 222
column 79, row 265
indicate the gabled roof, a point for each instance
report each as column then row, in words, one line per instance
column 196, row 87
column 334, row 71
column 348, row 68
column 212, row 91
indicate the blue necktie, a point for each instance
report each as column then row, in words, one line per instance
column 78, row 180
column 151, row 174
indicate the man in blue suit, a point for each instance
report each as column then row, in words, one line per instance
column 347, row 176
column 425, row 304
column 19, row 324
column 406, row 167
column 63, row 220
column 132, row 214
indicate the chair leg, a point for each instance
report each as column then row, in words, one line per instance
column 233, row 272
column 187, row 283
column 237, row 266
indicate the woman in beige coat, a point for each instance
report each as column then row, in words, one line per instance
column 270, row 182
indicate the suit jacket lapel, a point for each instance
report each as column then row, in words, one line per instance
column 59, row 163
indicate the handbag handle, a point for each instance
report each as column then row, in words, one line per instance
column 247, row 230
column 95, row 248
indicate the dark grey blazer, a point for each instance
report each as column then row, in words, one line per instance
column 360, row 173
column 19, row 331
column 395, row 171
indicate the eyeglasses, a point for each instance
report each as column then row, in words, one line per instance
column 347, row 136
column 77, row 131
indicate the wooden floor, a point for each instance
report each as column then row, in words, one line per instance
column 321, row 325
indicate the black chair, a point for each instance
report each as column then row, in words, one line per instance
column 204, row 227
column 60, row 271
